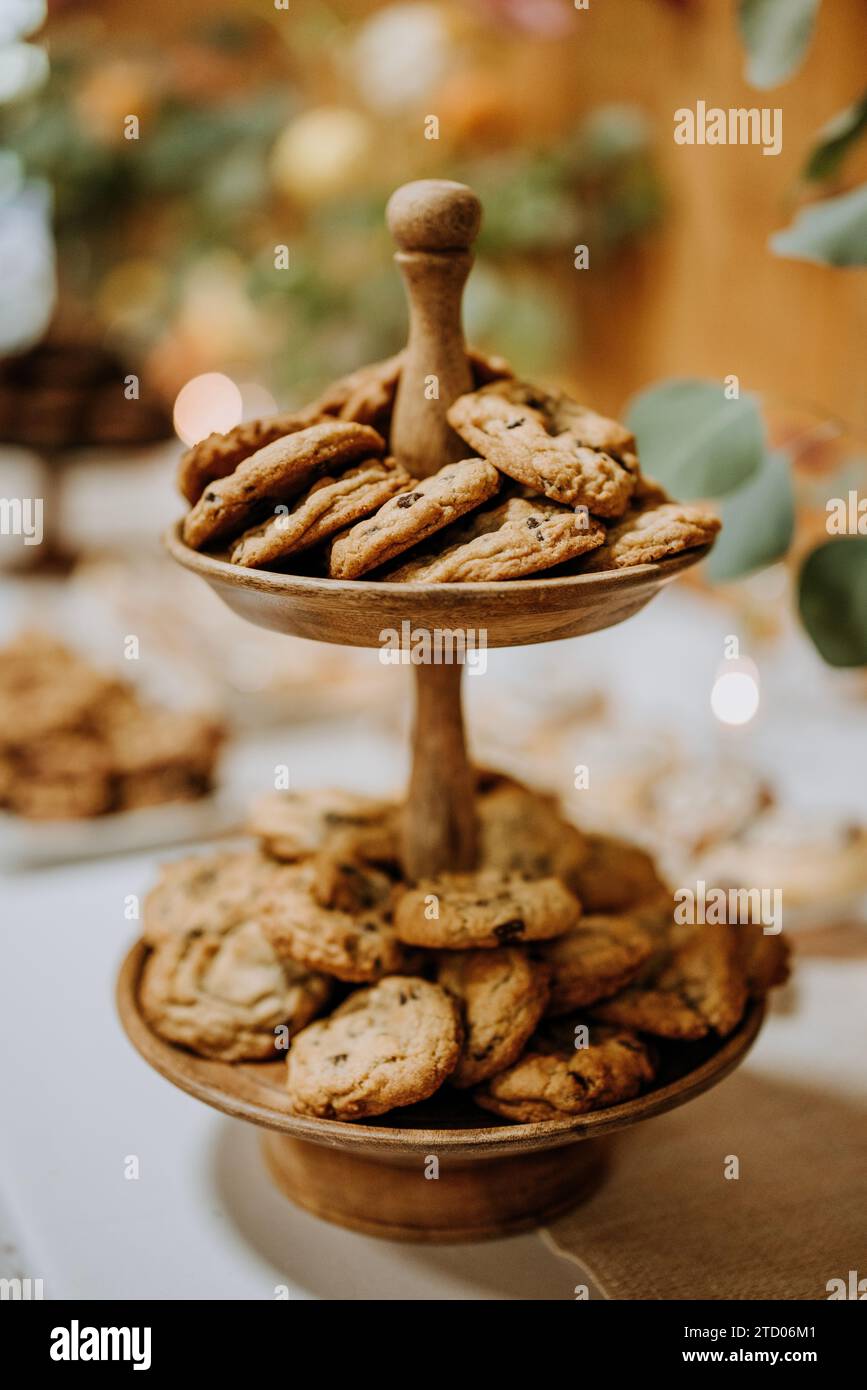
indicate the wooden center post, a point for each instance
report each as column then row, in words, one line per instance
column 434, row 223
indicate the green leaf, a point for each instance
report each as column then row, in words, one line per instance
column 834, row 141
column 832, row 598
column 610, row 134
column 831, row 232
column 758, row 521
column 776, row 34
column 694, row 440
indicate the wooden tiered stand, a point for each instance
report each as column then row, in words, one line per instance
column 494, row 1178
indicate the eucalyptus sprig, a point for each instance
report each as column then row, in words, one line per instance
column 830, row 230
column 704, row 439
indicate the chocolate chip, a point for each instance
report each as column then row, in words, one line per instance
column 210, row 497
column 408, row 498
column 338, row 1058
column 510, row 931
column 513, row 424
column 532, row 522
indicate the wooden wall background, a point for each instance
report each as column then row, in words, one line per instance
column 704, row 296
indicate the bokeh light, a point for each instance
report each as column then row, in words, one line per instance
column 20, row 17
column 210, row 402
column 321, row 153
column 23, row 68
column 734, row 698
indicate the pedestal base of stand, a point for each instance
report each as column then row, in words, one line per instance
column 476, row 1200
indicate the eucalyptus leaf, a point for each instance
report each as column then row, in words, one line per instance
column 835, row 140
column 696, row 441
column 832, row 598
column 831, row 232
column 776, row 34
column 758, row 522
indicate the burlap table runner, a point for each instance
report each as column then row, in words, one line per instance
column 667, row 1224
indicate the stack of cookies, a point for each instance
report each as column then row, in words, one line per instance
column 543, row 983
column 77, row 742
column 547, row 485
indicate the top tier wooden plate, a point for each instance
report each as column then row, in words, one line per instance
column 355, row 612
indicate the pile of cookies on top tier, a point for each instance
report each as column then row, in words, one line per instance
column 550, row 484
column 540, row 982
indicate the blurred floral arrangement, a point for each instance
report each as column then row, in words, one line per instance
column 256, row 133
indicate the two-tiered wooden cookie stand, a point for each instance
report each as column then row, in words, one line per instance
column 494, row 1177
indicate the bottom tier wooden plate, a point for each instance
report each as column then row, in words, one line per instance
column 439, row 1171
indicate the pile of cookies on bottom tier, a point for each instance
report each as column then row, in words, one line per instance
column 547, row 483
column 540, row 982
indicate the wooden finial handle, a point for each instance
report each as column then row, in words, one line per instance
column 434, row 223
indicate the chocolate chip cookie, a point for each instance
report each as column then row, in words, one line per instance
column 47, row 694
column 225, row 995
column 522, row 832
column 517, row 537
column 386, row 1046
column 335, row 916
column 330, row 505
column 695, row 986
column 293, row 825
column 428, row 506
column 58, row 798
column 615, row 875
column 551, row 444
column 555, row 1080
column 765, row 959
column 367, row 395
column 653, row 534
column 502, row 995
column 219, row 454
column 484, row 909
column 275, row 474
column 145, row 740
column 595, row 959
column 204, row 894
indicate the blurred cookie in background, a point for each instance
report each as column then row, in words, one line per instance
column 77, row 742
